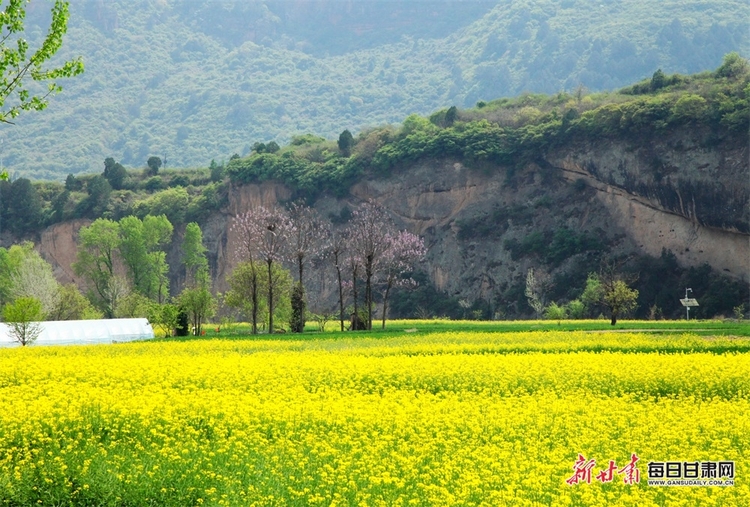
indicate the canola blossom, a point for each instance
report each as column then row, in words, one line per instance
column 436, row 419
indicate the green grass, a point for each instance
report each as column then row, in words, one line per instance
column 722, row 328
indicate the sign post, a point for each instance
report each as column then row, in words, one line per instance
column 688, row 302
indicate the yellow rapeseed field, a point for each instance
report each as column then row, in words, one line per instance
column 438, row 419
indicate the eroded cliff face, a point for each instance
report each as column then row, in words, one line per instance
column 673, row 193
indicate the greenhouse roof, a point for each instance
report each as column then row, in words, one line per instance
column 84, row 332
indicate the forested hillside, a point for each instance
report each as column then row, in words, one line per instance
column 191, row 81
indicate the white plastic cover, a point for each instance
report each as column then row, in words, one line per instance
column 85, row 332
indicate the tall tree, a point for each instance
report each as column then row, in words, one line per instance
column 196, row 299
column 346, row 141
column 194, row 255
column 18, row 62
column 96, row 263
column 264, row 235
column 337, row 249
column 369, row 231
column 404, row 251
column 537, row 286
column 115, row 173
column 141, row 247
column 307, row 237
column 199, row 304
column 245, row 287
column 33, row 277
column 72, row 305
column 25, row 207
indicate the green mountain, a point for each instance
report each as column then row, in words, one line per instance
column 196, row 80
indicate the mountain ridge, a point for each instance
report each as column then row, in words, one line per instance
column 155, row 85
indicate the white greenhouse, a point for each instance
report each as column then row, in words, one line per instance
column 84, row 332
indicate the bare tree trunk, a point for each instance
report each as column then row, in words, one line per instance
column 368, row 292
column 356, row 304
column 254, row 296
column 270, row 298
column 385, row 301
column 341, row 295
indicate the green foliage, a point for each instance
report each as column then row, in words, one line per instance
column 72, row 305
column 199, row 304
column 24, row 208
column 142, row 249
column 134, row 305
column 739, row 311
column 99, row 191
column 115, row 173
column 298, row 304
column 619, row 298
column 20, row 64
column 576, row 309
column 247, row 286
column 296, row 78
column 165, row 318
column 555, row 312
column 194, row 256
column 95, row 263
column 172, row 203
column 22, row 317
column 154, row 164
column 345, row 143
column 733, row 66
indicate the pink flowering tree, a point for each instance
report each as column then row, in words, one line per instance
column 264, row 237
column 404, row 251
column 307, row 238
column 369, row 234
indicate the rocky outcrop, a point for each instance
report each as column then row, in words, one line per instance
column 634, row 198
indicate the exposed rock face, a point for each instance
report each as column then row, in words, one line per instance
column 632, row 197
column 58, row 246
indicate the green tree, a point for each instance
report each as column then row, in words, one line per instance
column 537, row 286
column 199, row 305
column 346, row 142
column 246, row 286
column 22, row 317
column 172, row 202
column 592, row 294
column 141, row 247
column 98, row 245
column 115, row 173
column 619, row 298
column 18, row 62
column 25, row 207
column 154, row 164
column 555, row 312
column 165, row 318
column 134, row 305
column 194, row 256
column 248, row 292
column 32, row 277
column 576, row 309
column 72, row 305
column 299, row 306
column 732, row 66
column 73, row 184
column 99, row 190
column 58, row 206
